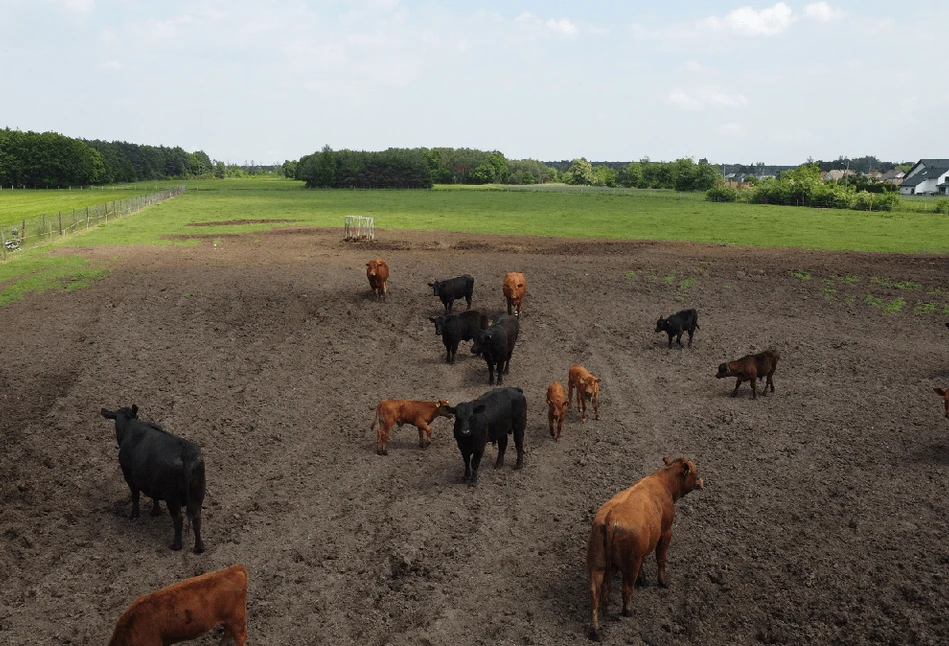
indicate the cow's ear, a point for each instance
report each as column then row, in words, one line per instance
column 368, row 263
column 432, row 318
column 666, row 460
column 107, row 414
column 597, row 379
column 685, row 469
column 134, row 410
column 938, row 391
column 431, row 284
column 478, row 409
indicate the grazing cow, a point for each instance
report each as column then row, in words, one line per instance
column 455, row 328
column 629, row 527
column 377, row 271
column 496, row 345
column 186, row 610
column 557, row 408
column 945, row 396
column 588, row 389
column 751, row 367
column 448, row 291
column 514, row 288
column 675, row 325
column 163, row 467
column 403, row 411
column 491, row 417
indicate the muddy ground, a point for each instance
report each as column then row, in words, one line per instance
column 824, row 518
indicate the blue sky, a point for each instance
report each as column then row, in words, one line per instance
column 266, row 81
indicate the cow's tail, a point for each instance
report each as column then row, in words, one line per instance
column 375, row 419
column 194, row 479
column 608, row 528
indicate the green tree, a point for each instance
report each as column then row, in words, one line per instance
column 580, row 172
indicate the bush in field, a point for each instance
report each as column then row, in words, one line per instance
column 942, row 206
column 722, row 193
column 866, row 201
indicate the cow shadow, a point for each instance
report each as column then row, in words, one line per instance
column 933, row 453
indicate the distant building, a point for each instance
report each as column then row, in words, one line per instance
column 894, row 176
column 927, row 177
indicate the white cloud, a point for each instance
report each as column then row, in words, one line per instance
column 731, row 130
column 706, row 98
column 767, row 22
column 823, row 12
column 562, row 26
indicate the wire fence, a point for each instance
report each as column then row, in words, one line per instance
column 47, row 228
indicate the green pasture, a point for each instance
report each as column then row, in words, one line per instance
column 249, row 205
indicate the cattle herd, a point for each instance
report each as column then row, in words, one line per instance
column 633, row 524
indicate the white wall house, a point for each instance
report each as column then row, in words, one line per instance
column 927, row 177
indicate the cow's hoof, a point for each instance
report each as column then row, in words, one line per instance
column 176, row 547
column 627, row 612
column 519, row 465
column 594, row 635
column 198, row 548
column 382, row 452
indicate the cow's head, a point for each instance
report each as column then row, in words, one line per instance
column 468, row 418
column 439, row 322
column 435, row 286
column 590, row 386
column 690, row 480
column 661, row 324
column 722, row 371
column 480, row 341
column 444, row 408
column 121, row 417
column 945, row 397
column 558, row 404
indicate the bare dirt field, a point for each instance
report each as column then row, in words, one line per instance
column 824, row 517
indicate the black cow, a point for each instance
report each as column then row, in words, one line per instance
column 675, row 325
column 448, row 291
column 455, row 328
column 492, row 416
column 496, row 345
column 163, row 467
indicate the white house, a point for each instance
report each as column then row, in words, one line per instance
column 927, row 177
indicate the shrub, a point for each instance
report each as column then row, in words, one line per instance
column 722, row 193
column 942, row 205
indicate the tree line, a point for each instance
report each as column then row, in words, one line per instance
column 52, row 160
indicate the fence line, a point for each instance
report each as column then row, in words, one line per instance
column 45, row 228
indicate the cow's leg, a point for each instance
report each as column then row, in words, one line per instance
column 770, row 381
column 671, row 335
column 491, row 373
column 499, row 367
column 423, row 431
column 475, row 463
column 691, row 332
column 235, row 632
column 382, row 439
column 174, row 509
column 519, row 445
column 156, row 507
column 596, row 407
column 679, row 338
column 597, row 584
column 629, row 582
column 559, row 426
column 583, row 406
column 194, row 515
column 735, row 392
column 662, row 547
column 135, row 495
column 467, row 458
column 550, row 421
column 502, row 447
column 468, row 300
column 569, row 393
column 754, row 387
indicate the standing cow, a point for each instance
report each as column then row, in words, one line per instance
column 450, row 290
column 629, row 527
column 751, row 367
column 588, row 389
column 496, row 345
column 163, row 467
column 455, row 328
column 678, row 323
column 514, row 288
column 419, row 414
column 556, row 408
column 491, row 417
column 377, row 271
column 186, row 610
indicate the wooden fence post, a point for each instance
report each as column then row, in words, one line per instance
column 61, row 221
column 23, row 234
column 3, row 239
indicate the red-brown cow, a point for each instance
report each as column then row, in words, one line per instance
column 557, row 408
column 751, row 367
column 588, row 389
column 403, row 411
column 187, row 610
column 945, row 397
column 514, row 288
column 377, row 271
column 629, row 527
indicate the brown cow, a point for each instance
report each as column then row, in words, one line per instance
column 751, row 367
column 557, row 408
column 187, row 610
column 514, row 289
column 403, row 411
column 377, row 271
column 588, row 388
column 945, row 396
column 629, row 527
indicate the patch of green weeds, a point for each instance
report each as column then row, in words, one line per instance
column 728, row 285
column 800, row 274
column 850, row 279
column 894, row 306
column 669, row 279
column 630, row 275
column 686, row 283
column 873, row 301
column 925, row 308
column 828, row 293
column 945, row 310
column 850, row 300
column 936, row 291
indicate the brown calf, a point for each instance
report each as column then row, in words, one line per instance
column 187, row 610
column 557, row 408
column 588, row 388
column 403, row 411
column 750, row 368
column 945, row 397
column 514, row 288
column 377, row 271
column 629, row 527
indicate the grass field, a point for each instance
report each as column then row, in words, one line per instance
column 215, row 207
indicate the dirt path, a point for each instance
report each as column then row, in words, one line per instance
column 824, row 519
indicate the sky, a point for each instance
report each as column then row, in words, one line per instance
column 262, row 81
